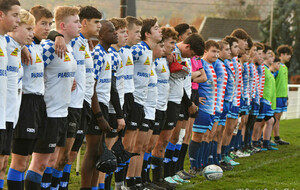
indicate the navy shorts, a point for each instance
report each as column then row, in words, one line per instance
column 281, row 105
column 203, row 122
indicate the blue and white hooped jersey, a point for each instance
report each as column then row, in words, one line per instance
column 261, row 74
column 13, row 67
column 89, row 75
column 246, row 82
column 3, row 81
column 208, row 89
column 239, row 82
column 252, row 80
column 59, row 77
column 102, row 70
column 230, row 87
column 79, row 45
column 257, row 88
column 118, row 72
column 142, row 60
column 222, row 78
column 127, row 59
column 163, row 86
column 150, row 103
column 187, row 83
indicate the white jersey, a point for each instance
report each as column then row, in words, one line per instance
column 150, row 103
column 127, row 59
column 3, row 81
column 13, row 66
column 77, row 96
column 33, row 79
column 142, row 59
column 187, row 83
column 163, row 86
column 89, row 74
column 59, row 77
column 20, row 83
column 118, row 72
column 176, row 84
column 102, row 70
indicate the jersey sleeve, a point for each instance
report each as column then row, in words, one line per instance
column 137, row 51
column 98, row 62
column 48, row 52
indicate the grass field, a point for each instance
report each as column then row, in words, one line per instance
column 267, row 170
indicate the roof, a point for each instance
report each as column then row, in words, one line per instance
column 218, row 28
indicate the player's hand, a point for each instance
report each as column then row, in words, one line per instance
column 121, row 124
column 60, row 46
column 25, row 56
column 193, row 109
column 202, row 100
column 74, row 85
column 103, row 125
column 171, row 58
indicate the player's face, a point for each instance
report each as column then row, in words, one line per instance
column 245, row 57
column 155, row 33
column 186, row 34
column 24, row 34
column 109, row 33
column 242, row 45
column 234, row 49
column 93, row 26
column 225, row 53
column 122, row 36
column 159, row 50
column 253, row 52
column 212, row 54
column 187, row 52
column 270, row 59
column 42, row 28
column 11, row 19
column 169, row 46
column 276, row 66
column 259, row 57
column 134, row 34
column 73, row 26
column 286, row 57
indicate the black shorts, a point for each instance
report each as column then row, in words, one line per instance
column 8, row 138
column 23, row 147
column 54, row 132
column 74, row 118
column 128, row 102
column 184, row 112
column 32, row 117
column 86, row 115
column 147, row 125
column 93, row 128
column 135, row 117
column 2, row 139
column 172, row 115
column 113, row 124
column 160, row 119
column 195, row 99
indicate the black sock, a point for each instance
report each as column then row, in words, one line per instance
column 86, row 188
column 119, row 175
column 174, row 169
column 107, row 183
column 15, row 179
column 183, row 151
column 32, row 185
column 125, row 170
column 56, row 177
column 65, row 178
column 46, row 180
column 138, row 180
column 130, row 181
column 157, row 164
column 144, row 171
column 168, row 159
column 148, row 169
column 277, row 138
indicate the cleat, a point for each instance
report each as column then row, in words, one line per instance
column 281, row 142
column 180, row 180
column 183, row 176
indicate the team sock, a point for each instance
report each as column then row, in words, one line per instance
column 1, row 184
column 145, row 166
column 168, row 158
column 119, row 173
column 174, row 161
column 100, row 186
column 194, row 149
column 130, row 181
column 15, row 179
column 56, row 177
column 65, row 178
column 47, row 177
column 32, row 180
column 107, row 183
column 157, row 164
column 183, row 151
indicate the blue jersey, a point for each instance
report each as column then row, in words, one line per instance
column 208, row 89
column 252, row 80
column 246, row 82
column 239, row 82
column 222, row 78
column 229, row 92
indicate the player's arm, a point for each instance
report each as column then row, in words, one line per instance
column 192, row 108
column 60, row 43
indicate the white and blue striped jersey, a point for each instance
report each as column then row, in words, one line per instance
column 239, row 82
column 142, row 60
column 163, row 87
column 102, row 71
column 59, row 77
column 3, row 81
column 246, row 82
column 127, row 59
column 230, row 87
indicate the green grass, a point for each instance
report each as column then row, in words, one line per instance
column 267, row 170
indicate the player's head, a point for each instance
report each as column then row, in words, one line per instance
column 267, row 53
column 285, row 53
column 169, row 37
column 192, row 45
column 24, row 32
column 183, row 30
column 249, row 42
column 233, row 43
column 242, row 37
column 108, row 33
column 43, row 21
column 276, row 64
column 211, row 52
column 158, row 50
column 259, row 56
column 225, row 52
column 67, row 21
column 120, row 25
column 193, row 29
column 134, row 26
column 90, row 20
column 150, row 30
column 9, row 15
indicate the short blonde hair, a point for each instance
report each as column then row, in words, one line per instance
column 119, row 23
column 61, row 12
column 26, row 18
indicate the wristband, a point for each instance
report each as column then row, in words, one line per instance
column 99, row 114
column 58, row 34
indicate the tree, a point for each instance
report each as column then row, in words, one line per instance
column 286, row 30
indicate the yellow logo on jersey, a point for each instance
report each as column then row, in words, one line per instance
column 152, row 74
column 82, row 48
column 1, row 52
column 179, row 59
column 38, row 59
column 129, row 62
column 15, row 52
column 107, row 66
column 87, row 55
column 20, row 65
column 67, row 58
column 121, row 64
column 147, row 62
column 163, row 70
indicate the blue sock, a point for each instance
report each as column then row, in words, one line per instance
column 201, row 154
column 15, row 175
column 1, row 183
column 255, row 143
column 237, row 141
column 266, row 143
column 147, row 156
column 101, row 186
column 66, row 176
column 250, row 139
column 219, row 157
column 206, row 154
column 227, row 148
column 33, row 176
column 56, row 177
column 232, row 142
column 210, row 153
column 194, row 148
column 215, row 155
column 95, row 188
column 223, row 151
column 170, row 146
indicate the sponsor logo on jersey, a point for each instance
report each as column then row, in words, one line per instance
column 107, row 66
column 142, row 74
column 67, row 58
column 147, row 62
column 82, row 48
column 179, row 59
column 121, row 64
column 1, row 52
column 129, row 62
column 30, row 130
column 163, row 70
column 3, row 72
column 87, row 56
column 38, row 59
column 15, row 52
column 151, row 74
column 20, row 65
